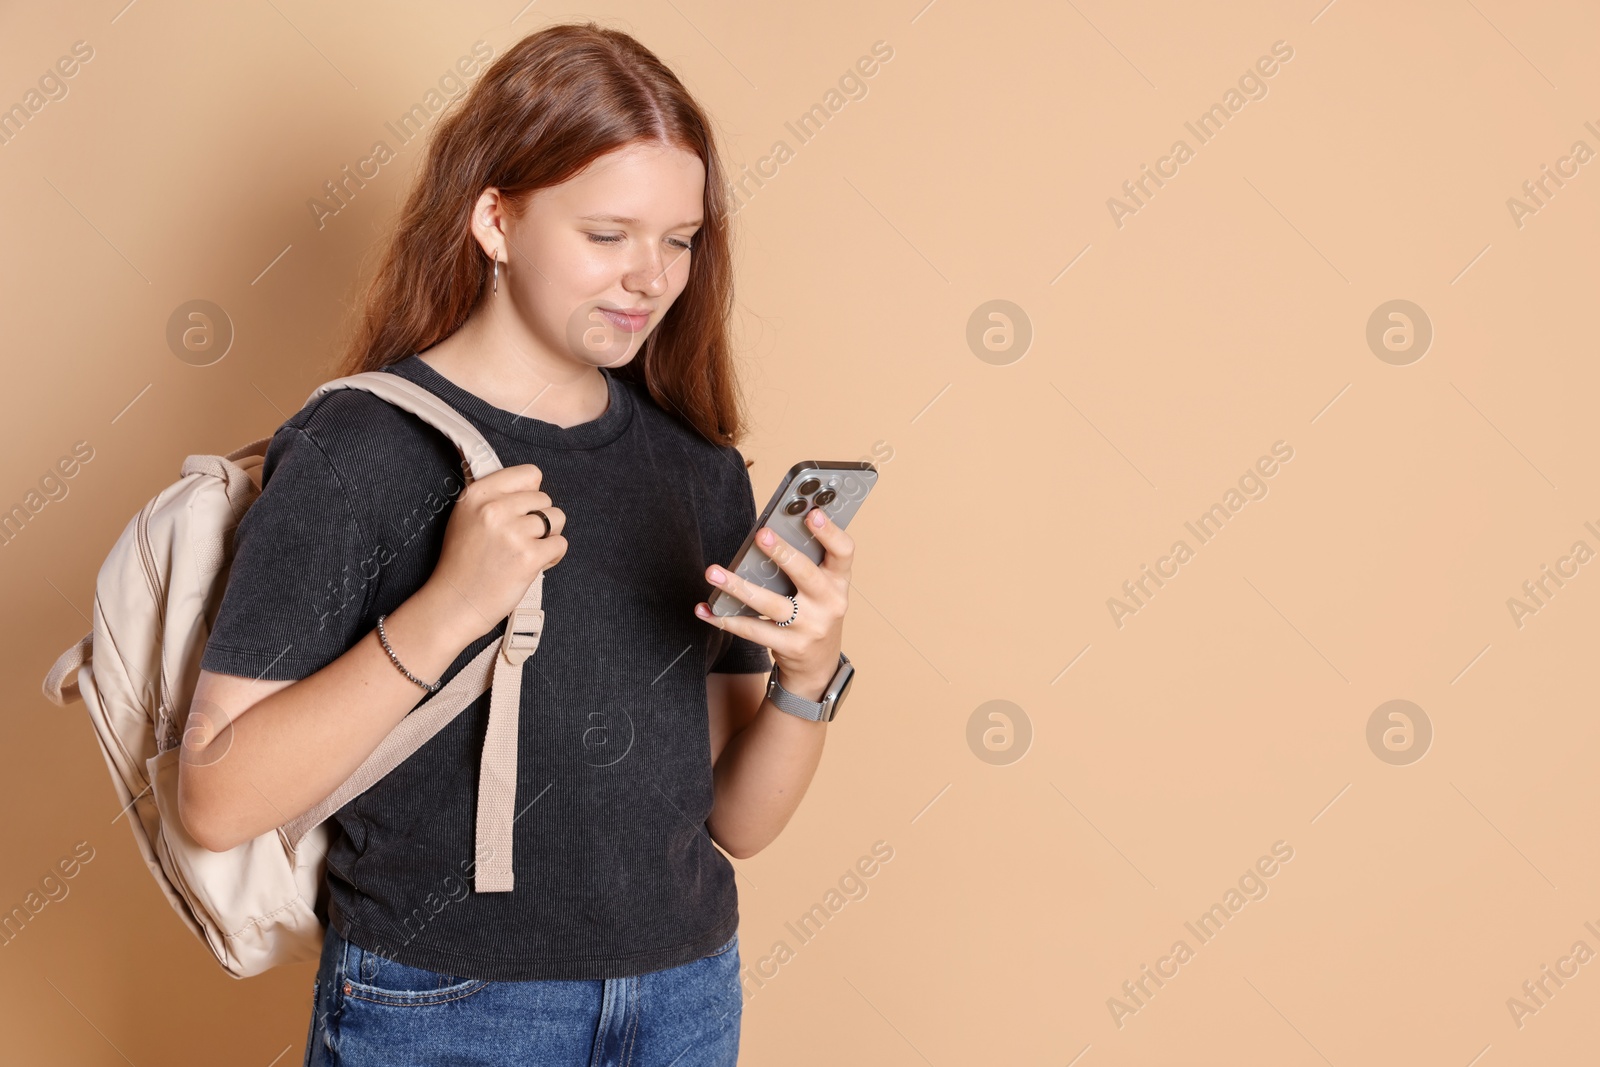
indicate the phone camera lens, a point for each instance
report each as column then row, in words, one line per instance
column 795, row 506
column 825, row 497
column 807, row 487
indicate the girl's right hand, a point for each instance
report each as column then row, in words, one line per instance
column 492, row 549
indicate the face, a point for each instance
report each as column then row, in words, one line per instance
column 593, row 264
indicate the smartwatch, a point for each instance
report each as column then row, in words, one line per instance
column 816, row 710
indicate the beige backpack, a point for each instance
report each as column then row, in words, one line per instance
column 260, row 904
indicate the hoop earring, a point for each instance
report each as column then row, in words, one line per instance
column 497, row 274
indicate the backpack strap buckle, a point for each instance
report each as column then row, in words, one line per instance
column 523, row 629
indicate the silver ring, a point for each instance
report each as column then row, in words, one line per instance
column 792, row 615
column 546, row 519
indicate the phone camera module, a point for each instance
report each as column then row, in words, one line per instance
column 825, row 497
column 795, row 506
column 807, row 487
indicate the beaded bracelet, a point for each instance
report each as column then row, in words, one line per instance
column 384, row 638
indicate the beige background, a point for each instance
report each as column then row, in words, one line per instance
column 1229, row 313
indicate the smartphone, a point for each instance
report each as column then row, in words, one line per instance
column 837, row 487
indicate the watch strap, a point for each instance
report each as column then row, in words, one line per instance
column 812, row 710
column 794, row 705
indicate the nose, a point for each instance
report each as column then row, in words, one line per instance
column 648, row 274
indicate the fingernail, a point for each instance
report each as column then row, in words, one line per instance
column 700, row 610
column 717, row 575
column 818, row 518
column 766, row 537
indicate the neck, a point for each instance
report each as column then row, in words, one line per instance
column 503, row 365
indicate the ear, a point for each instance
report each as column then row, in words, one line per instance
column 489, row 216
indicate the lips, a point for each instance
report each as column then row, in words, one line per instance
column 628, row 321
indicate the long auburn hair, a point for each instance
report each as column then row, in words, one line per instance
column 556, row 101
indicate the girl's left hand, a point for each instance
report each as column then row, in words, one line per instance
column 806, row 651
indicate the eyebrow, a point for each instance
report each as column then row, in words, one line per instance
column 629, row 220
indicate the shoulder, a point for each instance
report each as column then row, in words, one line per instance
column 365, row 440
column 720, row 468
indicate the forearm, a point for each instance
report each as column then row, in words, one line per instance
column 290, row 750
column 762, row 775
column 764, row 771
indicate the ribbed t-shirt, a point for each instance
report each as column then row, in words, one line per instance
column 615, row 872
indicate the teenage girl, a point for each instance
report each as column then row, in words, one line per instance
column 561, row 276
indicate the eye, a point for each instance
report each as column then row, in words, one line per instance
column 681, row 243
column 605, row 238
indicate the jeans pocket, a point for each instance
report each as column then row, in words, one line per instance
column 373, row 977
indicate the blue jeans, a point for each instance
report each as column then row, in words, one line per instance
column 370, row 1010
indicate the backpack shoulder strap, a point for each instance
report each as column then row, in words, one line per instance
column 415, row 730
column 497, row 668
column 479, row 456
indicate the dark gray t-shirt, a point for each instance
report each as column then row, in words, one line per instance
column 615, row 872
